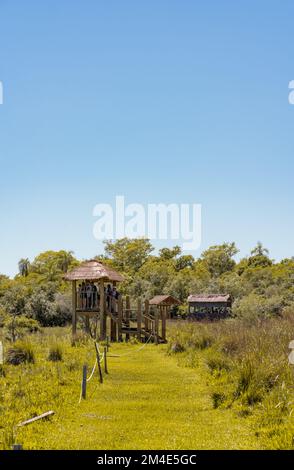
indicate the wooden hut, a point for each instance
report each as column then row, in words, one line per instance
column 210, row 306
column 97, row 275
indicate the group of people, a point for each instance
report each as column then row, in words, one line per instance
column 89, row 295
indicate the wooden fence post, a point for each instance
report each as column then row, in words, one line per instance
column 146, row 320
column 139, row 320
column 98, row 363
column 163, row 323
column 74, row 309
column 84, row 382
column 105, row 361
column 128, row 307
column 156, row 325
column 102, row 310
column 119, row 318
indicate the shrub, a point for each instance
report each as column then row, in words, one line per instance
column 55, row 353
column 20, row 353
column 176, row 348
column 217, row 399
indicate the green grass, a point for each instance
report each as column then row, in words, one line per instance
column 148, row 401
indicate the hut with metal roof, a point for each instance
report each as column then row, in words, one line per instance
column 209, row 306
column 88, row 292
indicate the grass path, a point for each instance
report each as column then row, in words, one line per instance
column 146, row 402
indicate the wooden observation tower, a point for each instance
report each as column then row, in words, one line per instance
column 96, row 300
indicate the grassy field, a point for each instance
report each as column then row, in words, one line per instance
column 248, row 370
column 149, row 400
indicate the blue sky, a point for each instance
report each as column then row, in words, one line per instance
column 160, row 101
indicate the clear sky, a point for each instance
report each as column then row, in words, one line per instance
column 161, row 101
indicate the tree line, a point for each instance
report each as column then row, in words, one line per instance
column 259, row 286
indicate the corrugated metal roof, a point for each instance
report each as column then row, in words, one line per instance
column 213, row 298
column 93, row 270
column 164, row 300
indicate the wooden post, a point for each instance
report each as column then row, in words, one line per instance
column 99, row 363
column 163, row 323
column 1, row 353
column 113, row 329
column 119, row 319
column 156, row 325
column 128, row 306
column 87, row 323
column 84, row 382
column 74, row 309
column 139, row 319
column 102, row 310
column 105, row 360
column 146, row 321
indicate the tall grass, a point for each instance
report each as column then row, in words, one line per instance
column 248, row 369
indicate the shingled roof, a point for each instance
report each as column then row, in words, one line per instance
column 164, row 300
column 213, row 298
column 92, row 271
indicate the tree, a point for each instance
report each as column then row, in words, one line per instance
column 65, row 260
column 219, row 258
column 259, row 257
column 170, row 253
column 24, row 266
column 128, row 254
column 259, row 250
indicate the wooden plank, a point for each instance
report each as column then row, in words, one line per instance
column 36, row 418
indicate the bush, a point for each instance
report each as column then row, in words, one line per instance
column 176, row 348
column 20, row 353
column 55, row 353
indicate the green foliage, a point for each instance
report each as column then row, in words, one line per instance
column 128, row 255
column 16, row 326
column 219, row 258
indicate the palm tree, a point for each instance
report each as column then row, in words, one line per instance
column 259, row 250
column 24, row 266
column 65, row 260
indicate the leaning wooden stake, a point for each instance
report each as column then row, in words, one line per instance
column 36, row 418
column 99, row 364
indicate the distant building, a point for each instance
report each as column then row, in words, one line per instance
column 209, row 307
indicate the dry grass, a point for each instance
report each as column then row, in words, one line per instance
column 249, row 370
